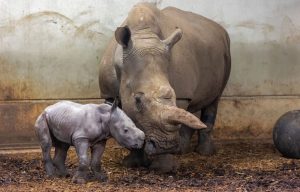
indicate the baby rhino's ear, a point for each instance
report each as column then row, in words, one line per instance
column 115, row 105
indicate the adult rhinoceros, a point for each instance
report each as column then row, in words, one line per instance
column 159, row 57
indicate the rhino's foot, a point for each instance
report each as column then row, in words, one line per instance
column 184, row 147
column 132, row 160
column 61, row 170
column 185, row 139
column 205, row 145
column 100, row 176
column 50, row 170
column 63, row 173
column 79, row 180
column 165, row 163
column 80, row 177
column 136, row 158
column 207, row 148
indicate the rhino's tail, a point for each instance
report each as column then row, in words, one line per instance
column 43, row 133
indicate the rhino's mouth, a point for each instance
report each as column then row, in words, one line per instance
column 153, row 146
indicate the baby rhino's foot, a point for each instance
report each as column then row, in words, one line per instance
column 79, row 178
column 61, row 170
column 101, row 176
column 50, row 170
column 63, row 174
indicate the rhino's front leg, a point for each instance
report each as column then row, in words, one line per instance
column 81, row 146
column 186, row 134
column 97, row 152
column 136, row 158
column 205, row 143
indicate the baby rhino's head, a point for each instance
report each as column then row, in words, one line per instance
column 124, row 130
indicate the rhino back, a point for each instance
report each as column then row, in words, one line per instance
column 198, row 70
column 108, row 83
column 68, row 121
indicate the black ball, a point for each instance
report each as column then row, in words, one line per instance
column 286, row 134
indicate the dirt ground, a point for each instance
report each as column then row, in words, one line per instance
column 239, row 165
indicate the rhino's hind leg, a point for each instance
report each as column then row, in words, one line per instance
column 205, row 144
column 43, row 134
column 60, row 156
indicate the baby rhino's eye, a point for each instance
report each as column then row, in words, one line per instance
column 125, row 130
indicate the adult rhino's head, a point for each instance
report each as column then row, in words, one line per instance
column 146, row 94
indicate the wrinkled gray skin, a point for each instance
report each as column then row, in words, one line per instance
column 85, row 126
column 159, row 59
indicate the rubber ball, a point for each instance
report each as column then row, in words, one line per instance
column 286, row 134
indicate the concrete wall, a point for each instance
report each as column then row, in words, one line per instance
column 50, row 50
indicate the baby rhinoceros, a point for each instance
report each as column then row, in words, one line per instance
column 84, row 126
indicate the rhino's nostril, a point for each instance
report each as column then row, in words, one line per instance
column 152, row 144
column 150, row 147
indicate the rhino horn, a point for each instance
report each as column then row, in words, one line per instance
column 175, row 115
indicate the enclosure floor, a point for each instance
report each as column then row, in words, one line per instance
column 239, row 165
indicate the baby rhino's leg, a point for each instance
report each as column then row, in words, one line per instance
column 60, row 155
column 97, row 151
column 44, row 137
column 81, row 146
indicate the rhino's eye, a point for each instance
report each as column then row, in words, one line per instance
column 138, row 101
column 166, row 94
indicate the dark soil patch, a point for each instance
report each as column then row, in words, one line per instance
column 239, row 165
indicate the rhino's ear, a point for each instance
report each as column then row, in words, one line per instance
column 122, row 35
column 173, row 38
column 115, row 105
